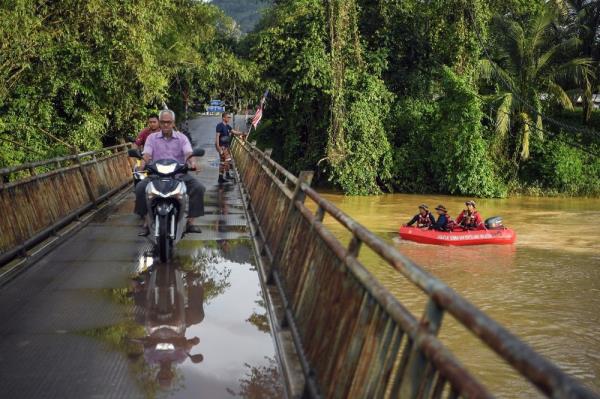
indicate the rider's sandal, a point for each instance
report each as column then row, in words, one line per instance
column 144, row 231
column 193, row 229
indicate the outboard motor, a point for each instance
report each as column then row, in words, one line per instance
column 495, row 222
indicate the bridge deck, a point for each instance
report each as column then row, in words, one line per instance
column 72, row 323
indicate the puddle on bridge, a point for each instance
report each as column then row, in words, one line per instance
column 192, row 330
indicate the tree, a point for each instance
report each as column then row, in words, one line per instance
column 89, row 71
column 290, row 48
column 583, row 18
column 528, row 69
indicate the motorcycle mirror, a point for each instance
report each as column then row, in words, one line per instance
column 196, row 358
column 198, row 152
column 134, row 153
column 130, row 139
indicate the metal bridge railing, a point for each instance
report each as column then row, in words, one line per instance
column 353, row 337
column 35, row 205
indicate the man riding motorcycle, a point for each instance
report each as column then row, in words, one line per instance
column 171, row 144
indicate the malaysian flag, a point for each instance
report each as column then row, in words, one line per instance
column 257, row 117
column 259, row 112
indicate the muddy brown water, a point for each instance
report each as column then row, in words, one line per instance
column 545, row 288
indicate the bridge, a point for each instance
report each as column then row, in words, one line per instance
column 266, row 301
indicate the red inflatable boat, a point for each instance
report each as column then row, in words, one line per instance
column 470, row 237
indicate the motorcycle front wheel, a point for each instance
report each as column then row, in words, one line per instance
column 164, row 241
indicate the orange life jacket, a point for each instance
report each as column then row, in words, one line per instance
column 424, row 221
column 450, row 224
column 469, row 221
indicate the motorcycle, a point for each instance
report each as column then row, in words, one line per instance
column 167, row 199
column 138, row 173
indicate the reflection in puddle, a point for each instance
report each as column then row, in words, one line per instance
column 260, row 382
column 198, row 326
column 172, row 300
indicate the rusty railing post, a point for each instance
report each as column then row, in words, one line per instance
column 416, row 382
column 257, row 174
column 305, row 177
column 86, row 182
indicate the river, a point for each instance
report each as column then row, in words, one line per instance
column 545, row 288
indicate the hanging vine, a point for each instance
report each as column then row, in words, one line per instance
column 345, row 48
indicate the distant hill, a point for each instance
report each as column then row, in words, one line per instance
column 246, row 13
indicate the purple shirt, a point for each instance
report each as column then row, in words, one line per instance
column 159, row 147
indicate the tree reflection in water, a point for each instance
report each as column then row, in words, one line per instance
column 208, row 262
column 260, row 320
column 260, row 382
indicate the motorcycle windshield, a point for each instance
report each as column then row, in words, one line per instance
column 166, row 167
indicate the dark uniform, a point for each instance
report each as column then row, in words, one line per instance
column 225, row 136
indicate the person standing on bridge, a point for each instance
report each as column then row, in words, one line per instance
column 222, row 142
column 171, row 144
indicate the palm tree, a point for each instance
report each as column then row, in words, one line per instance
column 583, row 18
column 529, row 68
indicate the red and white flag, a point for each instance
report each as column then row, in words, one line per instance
column 257, row 117
column 259, row 112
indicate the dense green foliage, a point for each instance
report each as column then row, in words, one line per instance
column 79, row 74
column 299, row 78
column 442, row 148
column 446, row 96
column 452, row 96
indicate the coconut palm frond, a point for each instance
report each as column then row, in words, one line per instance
column 548, row 56
column 560, row 95
column 485, row 69
column 513, row 37
column 539, row 127
column 503, row 115
column 526, row 129
column 488, row 69
column 493, row 98
column 562, row 7
column 517, row 47
column 541, row 24
column 577, row 69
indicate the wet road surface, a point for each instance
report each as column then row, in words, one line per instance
column 98, row 317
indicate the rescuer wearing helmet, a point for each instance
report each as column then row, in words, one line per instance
column 444, row 221
column 423, row 219
column 470, row 219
